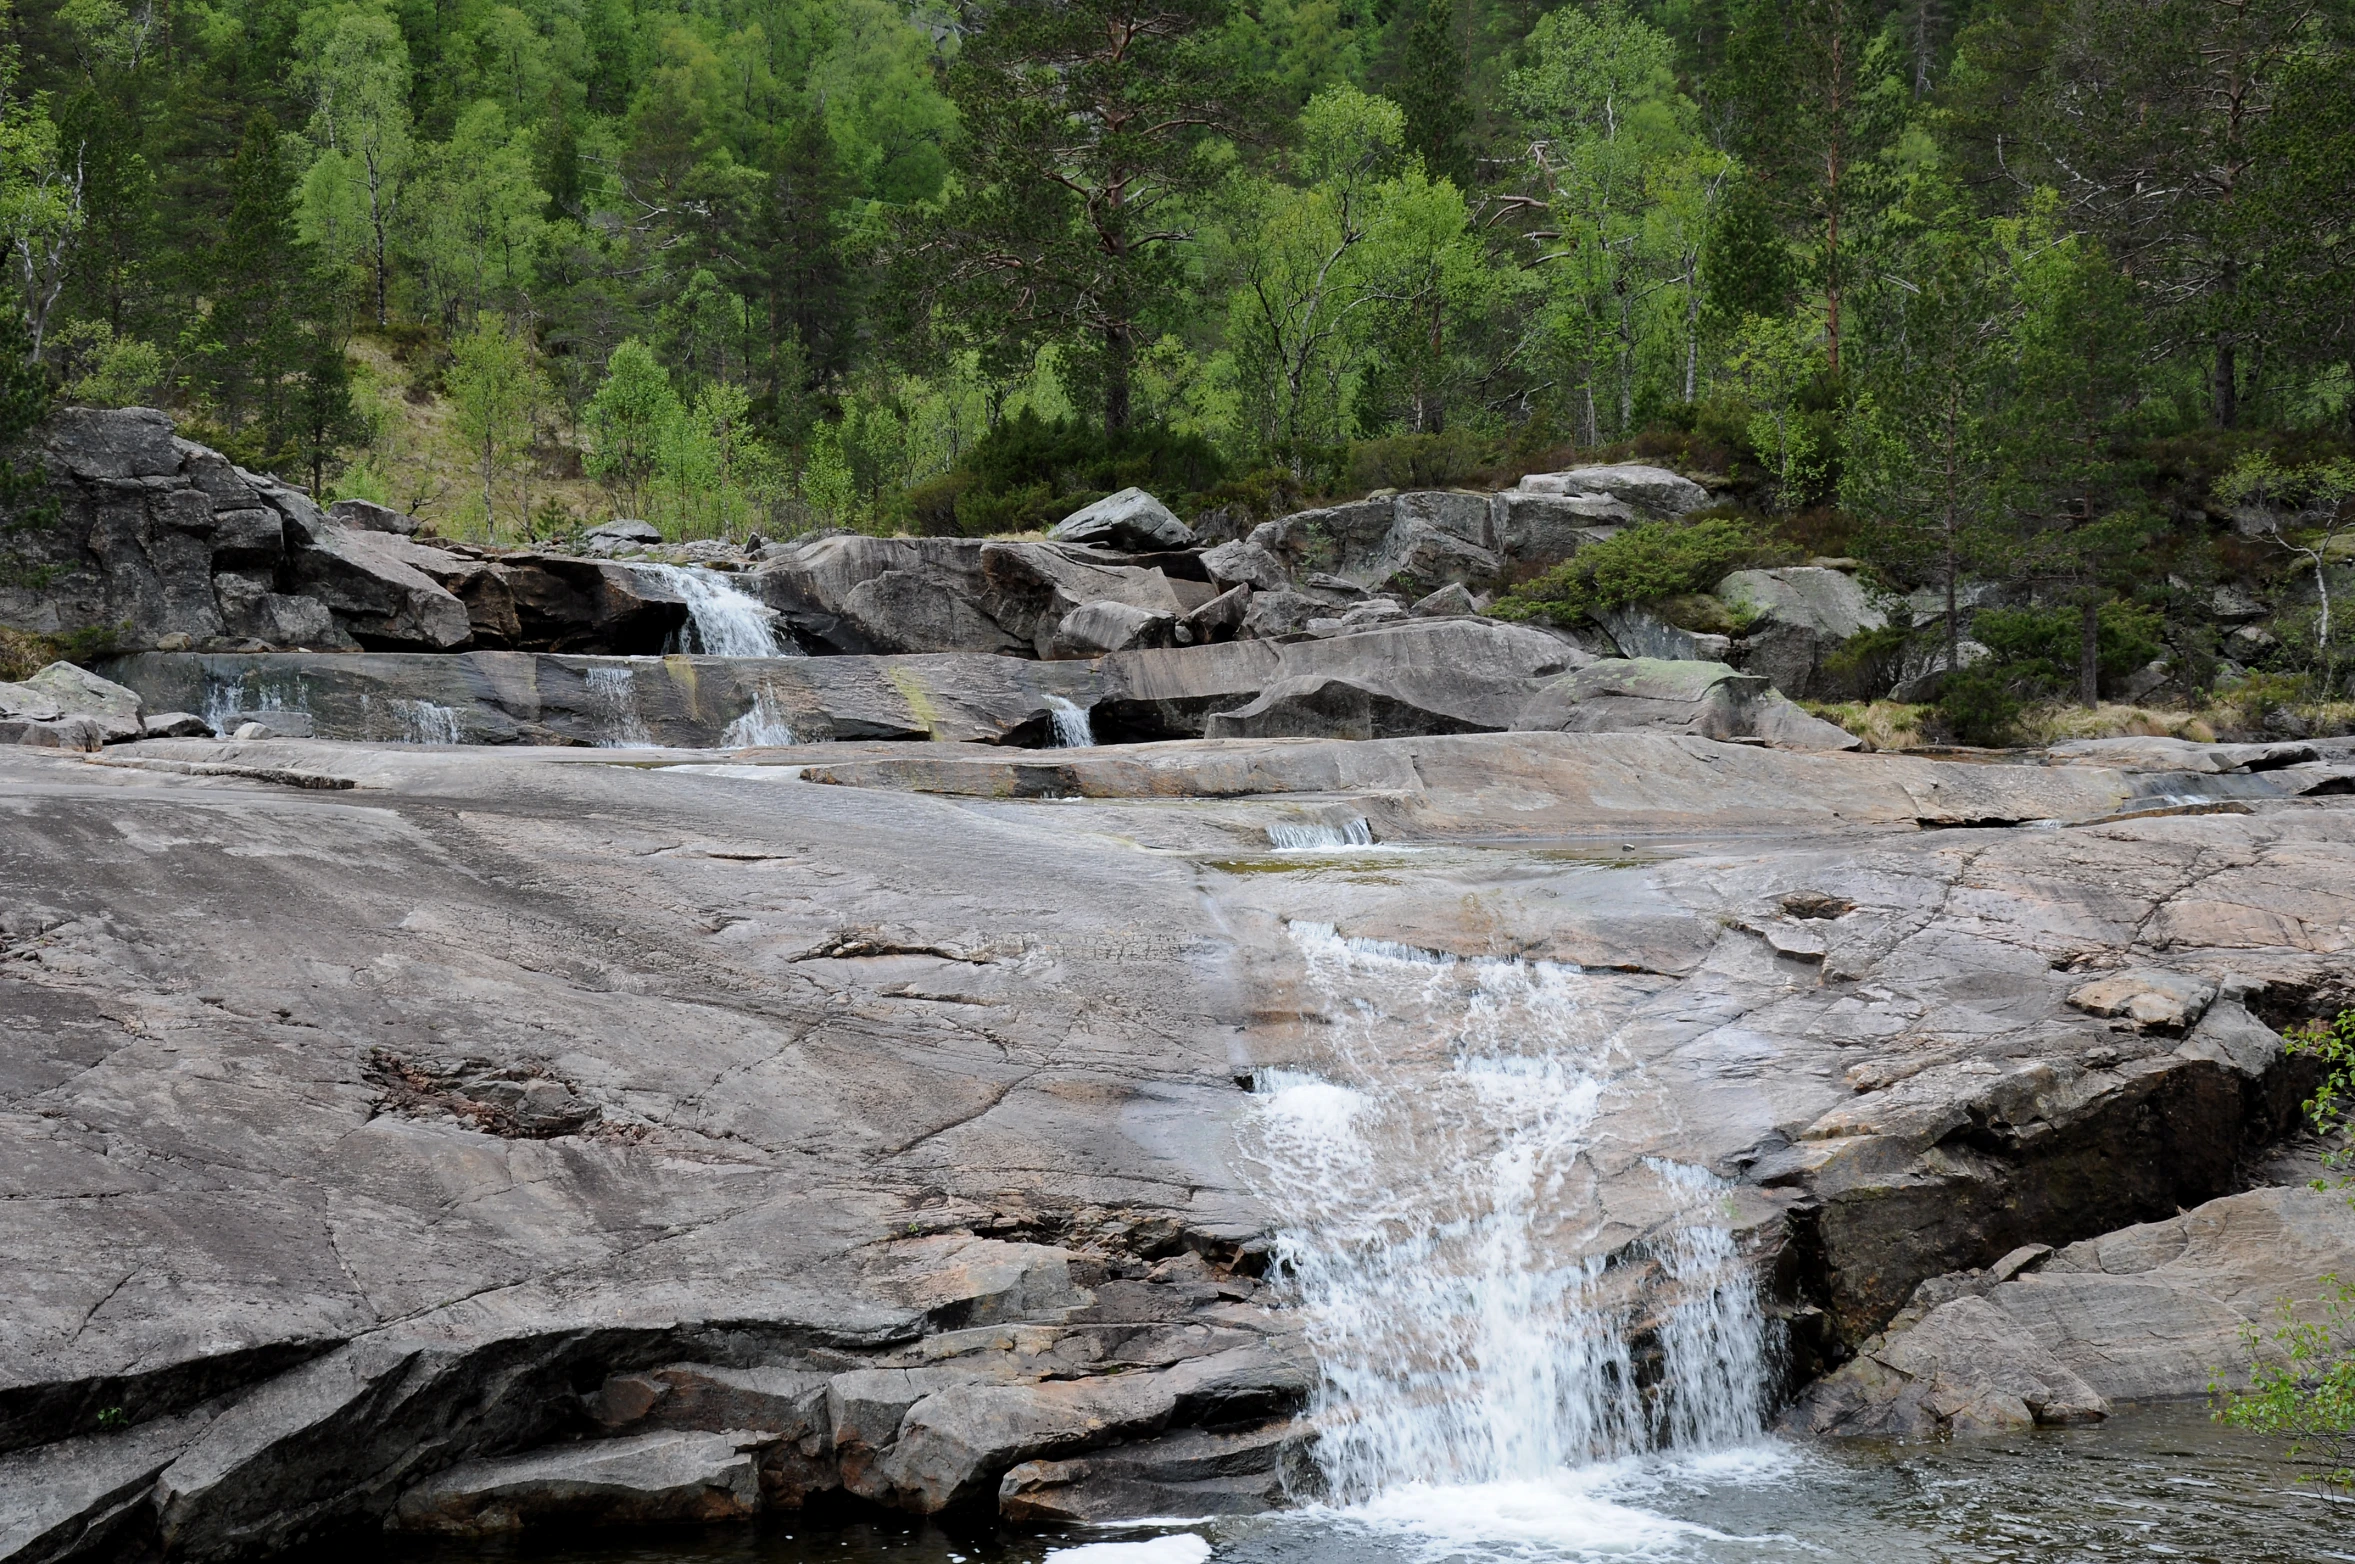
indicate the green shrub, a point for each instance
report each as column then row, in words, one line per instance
column 2038, row 647
column 1030, row 472
column 1978, row 705
column 1658, row 559
column 1416, row 461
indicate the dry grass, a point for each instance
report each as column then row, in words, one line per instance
column 2056, row 723
column 23, row 654
column 1883, row 725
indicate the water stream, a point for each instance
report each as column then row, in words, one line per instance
column 722, row 619
column 1440, row 1232
column 1071, row 725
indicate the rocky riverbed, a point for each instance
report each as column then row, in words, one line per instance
column 457, row 1139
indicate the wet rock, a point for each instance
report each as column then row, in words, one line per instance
column 1131, row 521
column 251, row 725
column 652, row 1478
column 1707, row 699
column 1966, row 1368
column 2139, row 753
column 1325, row 706
column 2151, row 1312
column 1190, row 1472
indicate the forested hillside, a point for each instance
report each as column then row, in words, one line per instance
column 2030, row 291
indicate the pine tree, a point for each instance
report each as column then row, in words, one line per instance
column 1431, row 90
column 249, row 342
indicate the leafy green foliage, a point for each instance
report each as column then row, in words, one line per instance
column 25, row 503
column 2331, row 1110
column 1030, row 472
column 1656, row 560
column 2305, row 1388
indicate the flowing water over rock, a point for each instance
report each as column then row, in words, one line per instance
column 613, row 695
column 1438, row 1227
column 1072, row 727
column 721, row 620
column 1353, row 832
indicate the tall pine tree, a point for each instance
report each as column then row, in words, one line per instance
column 1430, row 88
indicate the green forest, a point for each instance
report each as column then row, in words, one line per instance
column 2020, row 290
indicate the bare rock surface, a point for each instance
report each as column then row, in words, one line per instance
column 652, row 1478
column 2156, row 1311
column 373, row 1111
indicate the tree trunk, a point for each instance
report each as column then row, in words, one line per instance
column 1117, row 345
column 1953, row 615
column 2226, row 384
column 2089, row 652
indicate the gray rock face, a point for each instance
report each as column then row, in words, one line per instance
column 1243, row 563
column 1802, row 615
column 1708, row 699
column 1639, row 632
column 1132, row 522
column 2152, row 1312
column 368, row 516
column 1093, row 629
column 922, row 1166
column 652, row 1478
column 1648, row 493
column 621, row 535
column 692, row 702
column 67, row 707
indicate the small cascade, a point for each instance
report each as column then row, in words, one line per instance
column 722, row 619
column 227, row 704
column 613, row 701
column 765, row 725
column 1072, row 728
column 1354, row 832
column 1439, row 1227
column 403, row 721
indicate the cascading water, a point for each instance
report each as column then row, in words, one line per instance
column 402, row 721
column 765, row 725
column 1070, row 723
column 1439, row 1227
column 722, row 620
column 613, row 702
column 1354, row 832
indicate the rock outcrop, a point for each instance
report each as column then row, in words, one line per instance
column 2153, row 1312
column 385, row 1111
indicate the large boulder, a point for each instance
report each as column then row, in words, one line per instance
column 1638, row 630
column 1463, row 675
column 1130, row 522
column 375, row 584
column 1033, row 587
column 1798, row 616
column 651, row 1478
column 2151, row 1312
column 1707, row 699
column 66, row 707
column 1644, row 493
column 857, row 594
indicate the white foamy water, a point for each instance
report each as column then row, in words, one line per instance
column 765, row 724
column 613, row 704
column 1320, row 838
column 1439, row 1232
column 399, row 720
column 1071, row 726
column 722, row 619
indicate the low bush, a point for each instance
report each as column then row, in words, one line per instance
column 1658, row 559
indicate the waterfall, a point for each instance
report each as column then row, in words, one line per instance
column 1073, row 730
column 765, row 724
column 226, row 703
column 1438, row 1227
column 722, row 620
column 1314, row 838
column 613, row 703
column 411, row 721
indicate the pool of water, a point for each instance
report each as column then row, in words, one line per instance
column 2150, row 1484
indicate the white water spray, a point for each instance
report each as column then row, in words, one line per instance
column 1354, row 832
column 613, row 703
column 1072, row 728
column 722, row 620
column 404, row 721
column 1440, row 1230
column 765, row 725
